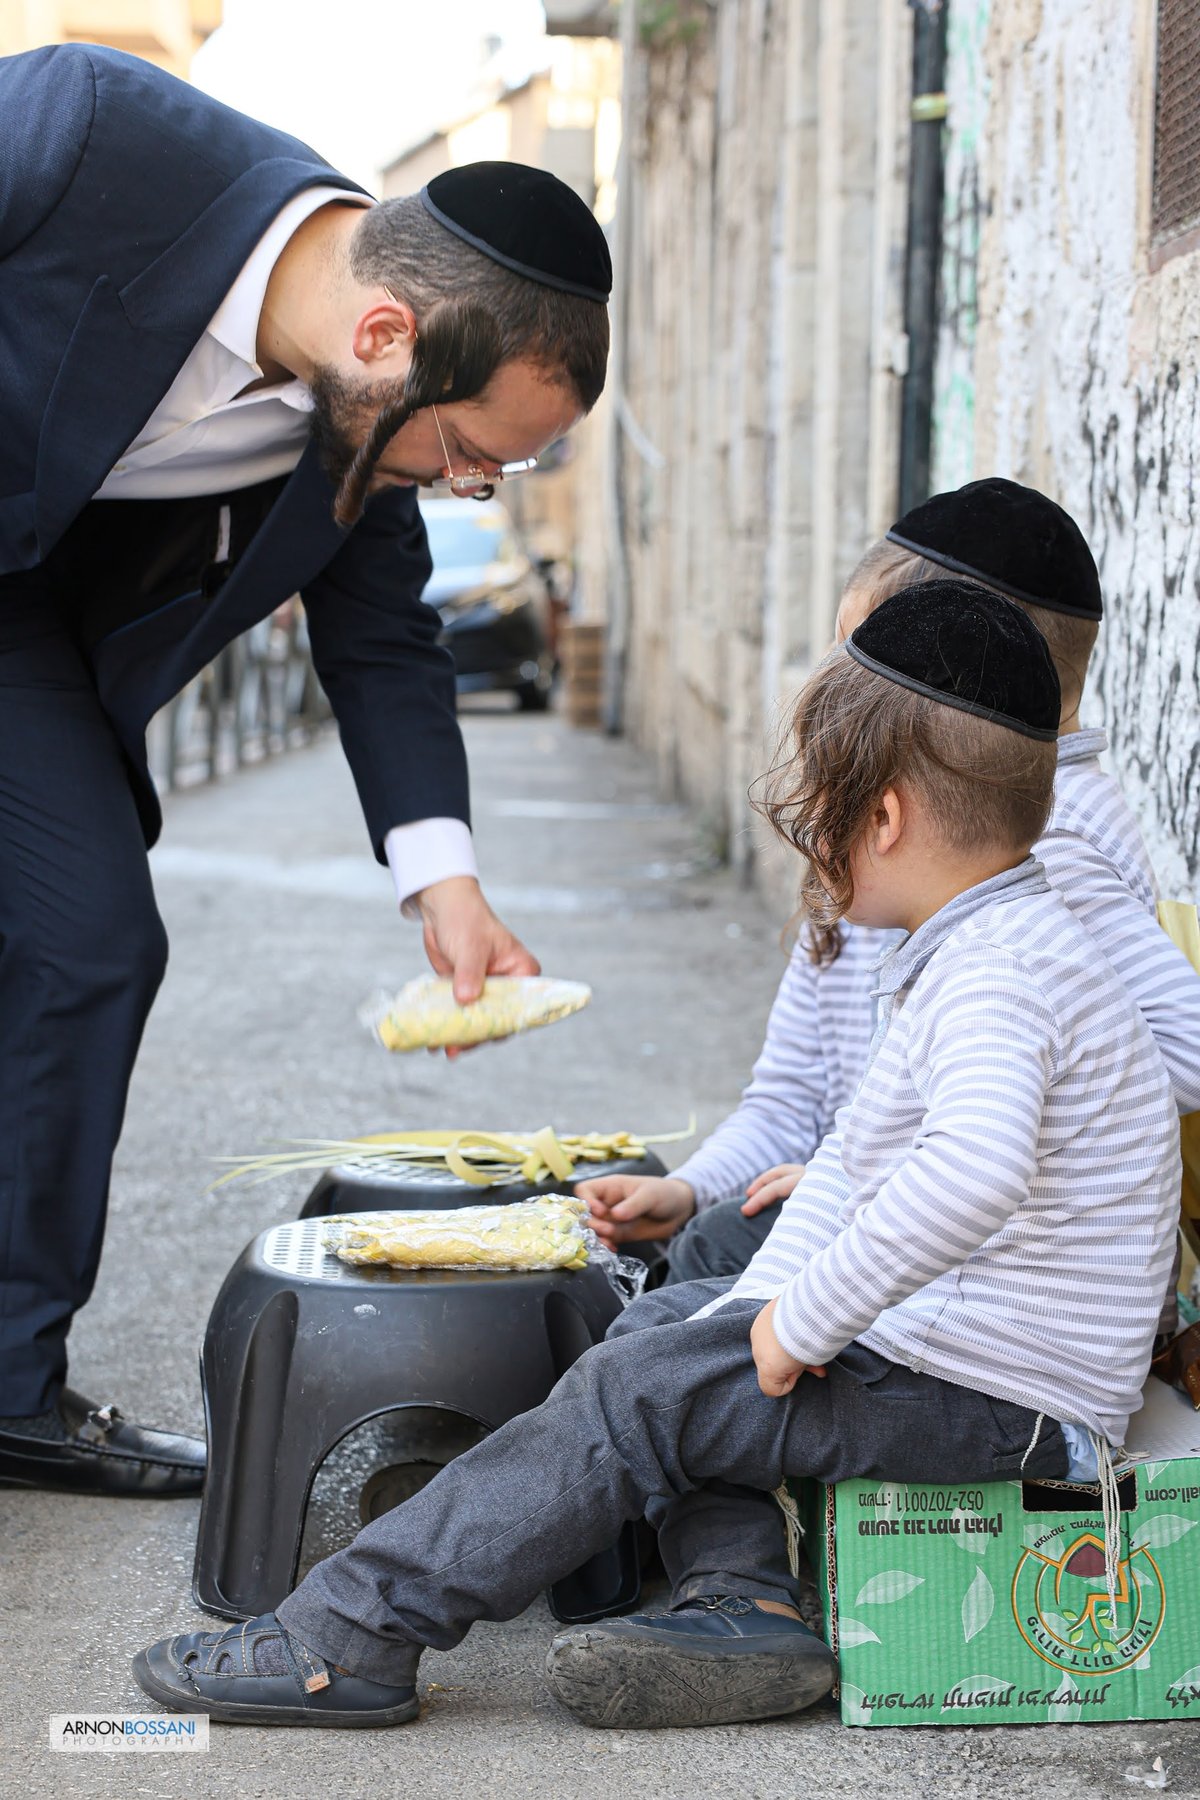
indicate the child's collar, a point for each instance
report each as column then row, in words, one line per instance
column 903, row 964
column 1081, row 746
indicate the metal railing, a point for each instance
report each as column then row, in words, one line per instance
column 259, row 697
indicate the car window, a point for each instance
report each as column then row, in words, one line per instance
column 463, row 542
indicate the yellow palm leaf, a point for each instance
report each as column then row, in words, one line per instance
column 1179, row 920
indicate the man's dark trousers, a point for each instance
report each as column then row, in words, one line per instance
column 82, row 948
column 82, row 952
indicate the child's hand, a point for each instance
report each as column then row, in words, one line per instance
column 778, row 1372
column 772, row 1186
column 636, row 1206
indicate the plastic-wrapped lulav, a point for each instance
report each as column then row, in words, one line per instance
column 425, row 1015
column 528, row 1234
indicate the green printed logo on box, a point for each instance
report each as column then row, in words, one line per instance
column 989, row 1604
column 1061, row 1606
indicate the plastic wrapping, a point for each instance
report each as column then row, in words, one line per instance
column 528, row 1234
column 628, row 1274
column 424, row 1015
column 548, row 1233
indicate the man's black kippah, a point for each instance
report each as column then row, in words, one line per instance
column 1009, row 535
column 966, row 647
column 526, row 219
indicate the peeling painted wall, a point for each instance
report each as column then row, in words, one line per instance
column 952, row 456
column 1084, row 364
column 760, row 308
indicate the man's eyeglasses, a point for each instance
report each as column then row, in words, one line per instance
column 474, row 484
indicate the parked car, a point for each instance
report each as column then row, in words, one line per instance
column 493, row 599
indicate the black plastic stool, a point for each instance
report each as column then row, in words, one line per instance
column 366, row 1187
column 301, row 1349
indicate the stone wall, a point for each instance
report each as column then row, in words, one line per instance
column 760, row 260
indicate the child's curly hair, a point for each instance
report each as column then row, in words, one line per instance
column 853, row 735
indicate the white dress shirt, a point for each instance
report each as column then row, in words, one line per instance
column 207, row 436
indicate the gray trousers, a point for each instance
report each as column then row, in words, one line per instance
column 655, row 1417
column 718, row 1242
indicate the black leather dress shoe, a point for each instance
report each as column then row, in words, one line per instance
column 260, row 1674
column 87, row 1449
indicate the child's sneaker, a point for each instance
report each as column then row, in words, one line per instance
column 715, row 1660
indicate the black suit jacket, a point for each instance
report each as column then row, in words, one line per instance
column 129, row 202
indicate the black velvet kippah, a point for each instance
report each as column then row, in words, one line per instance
column 1011, row 536
column 526, row 219
column 966, row 647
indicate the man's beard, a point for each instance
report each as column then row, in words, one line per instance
column 343, row 413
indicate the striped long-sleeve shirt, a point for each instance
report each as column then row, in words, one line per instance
column 1093, row 853
column 819, row 1030
column 997, row 1206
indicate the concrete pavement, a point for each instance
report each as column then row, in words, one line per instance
column 280, row 925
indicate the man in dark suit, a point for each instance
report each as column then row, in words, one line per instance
column 225, row 371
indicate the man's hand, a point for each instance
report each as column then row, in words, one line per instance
column 772, row 1186
column 636, row 1206
column 465, row 939
column 778, row 1372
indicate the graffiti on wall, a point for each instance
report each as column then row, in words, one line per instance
column 1141, row 447
column 1070, row 364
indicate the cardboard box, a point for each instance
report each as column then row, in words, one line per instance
column 986, row 1603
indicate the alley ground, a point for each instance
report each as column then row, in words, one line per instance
column 280, row 925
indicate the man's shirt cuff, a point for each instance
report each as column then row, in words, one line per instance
column 426, row 851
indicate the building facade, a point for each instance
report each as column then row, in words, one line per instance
column 564, row 118
column 166, row 32
column 769, row 247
